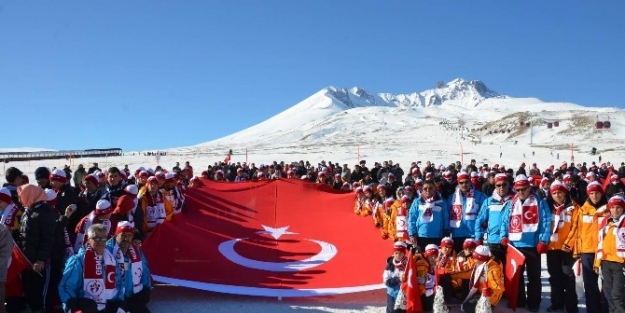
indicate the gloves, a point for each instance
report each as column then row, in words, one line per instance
column 479, row 242
column 487, row 292
column 384, row 236
column 542, row 248
column 505, row 241
column 484, row 225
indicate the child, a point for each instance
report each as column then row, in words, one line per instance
column 393, row 274
column 486, row 280
column 426, row 274
column 464, row 267
column 445, row 266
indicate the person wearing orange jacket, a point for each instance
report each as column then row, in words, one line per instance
column 486, row 280
column 464, row 266
column 445, row 266
column 560, row 249
column 398, row 224
column 590, row 216
column 610, row 259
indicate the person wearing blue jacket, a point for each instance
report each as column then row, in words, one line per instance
column 489, row 219
column 135, row 273
column 464, row 206
column 526, row 224
column 428, row 218
column 393, row 275
column 91, row 280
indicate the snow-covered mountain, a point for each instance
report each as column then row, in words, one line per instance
column 339, row 120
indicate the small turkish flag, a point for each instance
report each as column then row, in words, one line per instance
column 411, row 287
column 515, row 260
column 17, row 263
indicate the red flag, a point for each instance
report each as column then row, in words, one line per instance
column 411, row 287
column 17, row 263
column 257, row 238
column 514, row 260
column 606, row 180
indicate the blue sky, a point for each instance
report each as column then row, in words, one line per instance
column 159, row 74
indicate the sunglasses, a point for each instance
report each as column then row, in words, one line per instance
column 501, row 185
column 98, row 239
column 521, row 189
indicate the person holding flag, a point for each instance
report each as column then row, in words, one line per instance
column 486, row 280
column 526, row 224
column 394, row 273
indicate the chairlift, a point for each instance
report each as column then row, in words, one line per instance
column 527, row 124
column 607, row 124
column 599, row 125
column 556, row 124
column 549, row 125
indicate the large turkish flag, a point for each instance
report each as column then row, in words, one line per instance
column 271, row 238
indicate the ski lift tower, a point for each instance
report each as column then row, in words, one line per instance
column 540, row 121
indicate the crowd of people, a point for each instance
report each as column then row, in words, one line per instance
column 453, row 224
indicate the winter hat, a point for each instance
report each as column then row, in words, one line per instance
column 481, row 253
column 566, row 178
column 447, row 242
column 143, row 174
column 391, row 175
column 544, row 180
column 367, row 188
column 462, row 176
column 400, row 246
column 170, row 177
column 616, row 200
column 358, row 189
column 42, row 172
column 355, row 184
column 415, row 170
column 389, row 201
column 5, row 195
column 557, row 186
column 410, row 188
column 469, row 243
column 431, row 250
column 103, row 207
column 131, row 190
column 152, row 179
column 475, row 175
column 501, row 178
column 381, row 186
column 30, row 194
column 590, row 174
column 125, row 204
column 99, row 174
column 321, row 174
column 124, row 227
column 58, row 175
column 160, row 175
column 91, row 178
column 428, row 175
column 418, row 182
column 50, row 196
column 613, row 178
column 521, row 181
column 594, row 186
column 150, row 171
column 405, row 199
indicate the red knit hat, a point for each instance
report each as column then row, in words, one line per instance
column 50, row 196
column 481, row 253
column 447, row 242
column 124, row 227
column 400, row 246
column 521, row 181
column 463, row 176
column 469, row 243
column 501, row 178
column 616, row 200
column 103, row 207
column 557, row 186
column 58, row 176
column 594, row 186
column 91, row 178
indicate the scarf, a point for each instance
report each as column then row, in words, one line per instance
column 477, row 274
column 180, row 199
column 136, row 266
column 401, row 232
column 559, row 218
column 455, row 215
column 401, row 264
column 444, row 260
column 154, row 209
column 428, row 215
column 501, row 199
column 99, row 277
column 523, row 217
column 81, row 235
column 9, row 214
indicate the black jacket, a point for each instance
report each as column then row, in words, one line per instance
column 37, row 232
column 113, row 193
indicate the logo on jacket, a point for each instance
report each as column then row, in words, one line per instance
column 328, row 251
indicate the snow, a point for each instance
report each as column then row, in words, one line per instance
column 345, row 125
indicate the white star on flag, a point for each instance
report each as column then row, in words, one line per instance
column 275, row 232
